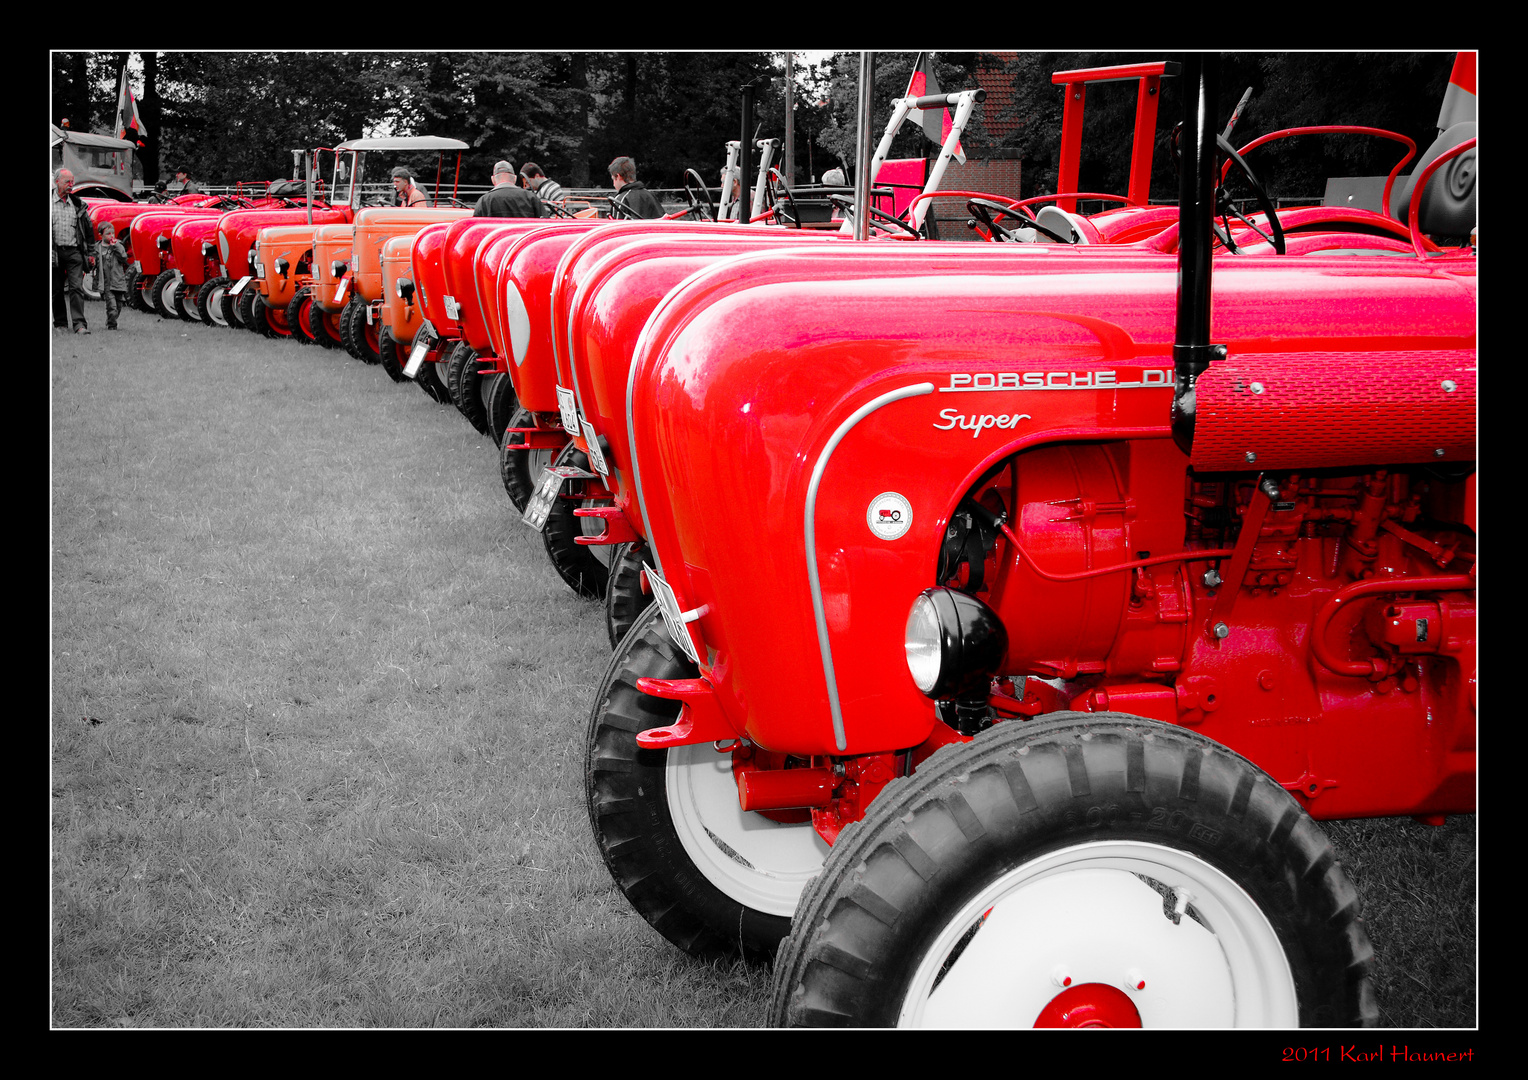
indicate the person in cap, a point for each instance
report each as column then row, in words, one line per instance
column 834, row 178
column 631, row 195
column 507, row 198
column 409, row 193
column 537, row 181
column 188, row 186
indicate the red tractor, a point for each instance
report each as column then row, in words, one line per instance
column 1047, row 586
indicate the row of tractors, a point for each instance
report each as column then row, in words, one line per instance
column 992, row 623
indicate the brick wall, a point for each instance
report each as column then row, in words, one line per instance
column 998, row 175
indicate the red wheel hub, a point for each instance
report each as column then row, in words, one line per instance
column 1090, row 1005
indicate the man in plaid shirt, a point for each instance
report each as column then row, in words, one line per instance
column 73, row 251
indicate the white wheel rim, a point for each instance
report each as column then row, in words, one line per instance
column 762, row 864
column 593, row 527
column 215, row 305
column 1084, row 914
column 167, row 296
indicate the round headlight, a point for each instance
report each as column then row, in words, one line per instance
column 337, row 268
column 923, row 644
column 955, row 643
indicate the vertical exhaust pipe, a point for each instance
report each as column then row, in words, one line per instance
column 1192, row 351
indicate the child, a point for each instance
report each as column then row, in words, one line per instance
column 113, row 259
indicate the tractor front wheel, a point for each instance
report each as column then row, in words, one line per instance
column 183, row 300
column 715, row 880
column 244, row 307
column 1091, row 870
column 209, row 301
column 521, row 469
column 465, row 385
column 161, row 295
column 499, row 405
column 585, row 567
column 297, row 315
column 362, row 340
column 626, row 597
column 430, row 381
column 325, row 327
column 391, row 360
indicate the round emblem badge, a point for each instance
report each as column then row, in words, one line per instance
column 890, row 515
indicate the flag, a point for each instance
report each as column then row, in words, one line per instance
column 129, row 123
column 935, row 125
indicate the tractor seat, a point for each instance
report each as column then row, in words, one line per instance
column 1448, row 202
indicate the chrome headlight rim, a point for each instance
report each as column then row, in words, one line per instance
column 967, row 637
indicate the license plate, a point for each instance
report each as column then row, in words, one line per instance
column 422, row 345
column 569, row 409
column 239, row 286
column 540, row 506
column 339, row 294
column 673, row 618
column 452, row 310
column 259, row 268
column 596, row 454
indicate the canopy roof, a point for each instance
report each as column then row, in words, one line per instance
column 407, row 142
column 81, row 138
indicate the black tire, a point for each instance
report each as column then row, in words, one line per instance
column 888, row 916
column 361, row 341
column 270, row 321
column 297, row 315
column 244, row 309
column 183, row 299
column 584, row 567
column 625, row 598
column 161, row 295
column 209, row 301
column 500, row 406
column 632, row 812
column 521, row 469
column 138, row 296
column 466, row 387
column 132, row 287
column 430, row 382
column 392, row 361
column 321, row 326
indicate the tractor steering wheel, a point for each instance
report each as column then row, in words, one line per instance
column 987, row 210
column 1225, row 207
column 846, row 204
column 693, row 183
column 778, row 193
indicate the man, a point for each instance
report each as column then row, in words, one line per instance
column 507, row 199
column 631, row 195
column 546, row 190
column 409, row 193
column 73, row 250
column 187, row 185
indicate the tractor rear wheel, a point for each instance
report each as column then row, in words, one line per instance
column 388, row 355
column 297, row 315
column 715, row 880
column 1093, row 869
column 627, row 595
column 209, row 301
column 161, row 295
column 325, row 327
column 585, row 567
column 521, row 469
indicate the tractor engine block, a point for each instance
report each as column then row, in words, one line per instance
column 1321, row 621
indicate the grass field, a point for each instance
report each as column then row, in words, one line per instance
column 318, row 712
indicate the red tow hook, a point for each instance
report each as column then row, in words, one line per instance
column 618, row 529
